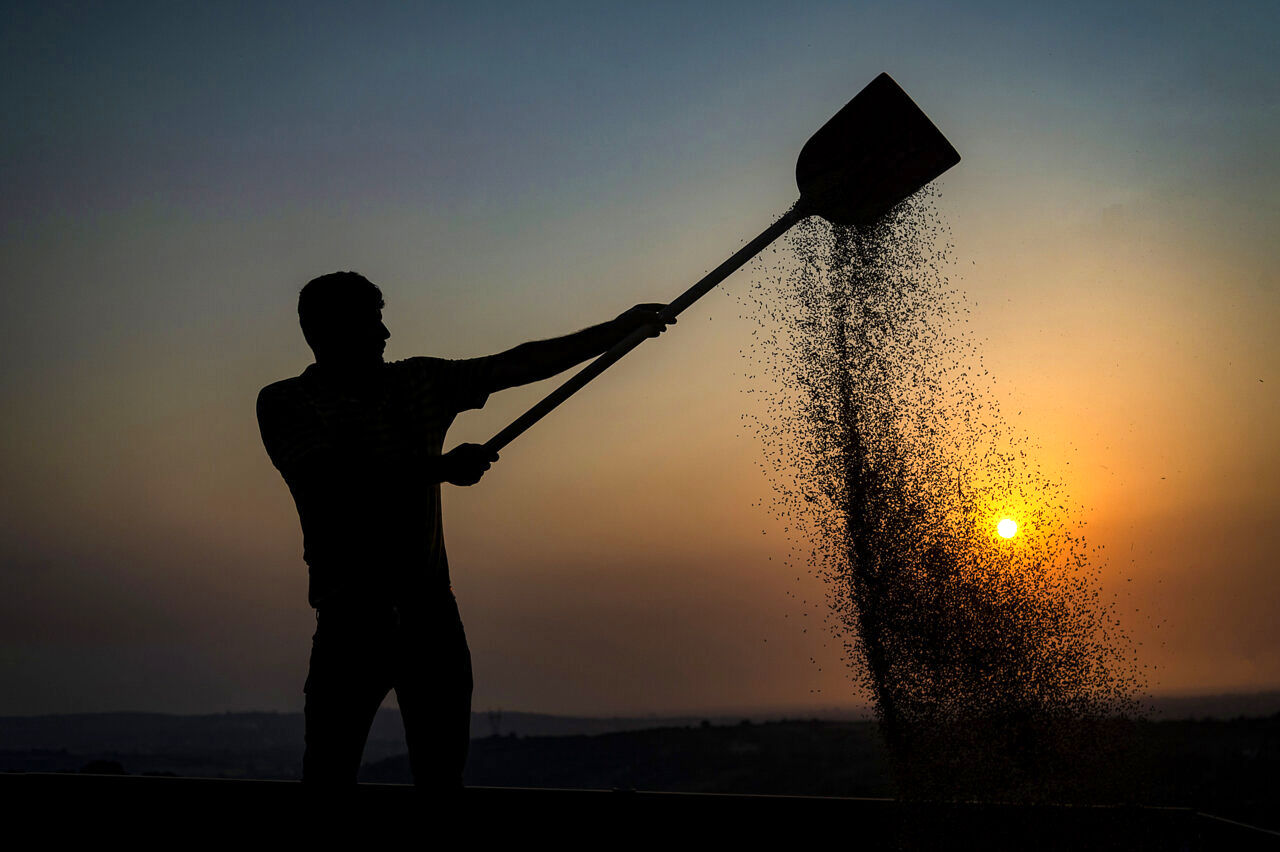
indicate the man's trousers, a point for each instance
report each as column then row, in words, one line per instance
column 361, row 652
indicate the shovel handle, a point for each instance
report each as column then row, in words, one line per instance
column 631, row 341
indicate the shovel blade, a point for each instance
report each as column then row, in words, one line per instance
column 872, row 154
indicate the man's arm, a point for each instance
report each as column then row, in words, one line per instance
column 542, row 359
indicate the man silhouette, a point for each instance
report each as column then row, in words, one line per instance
column 359, row 443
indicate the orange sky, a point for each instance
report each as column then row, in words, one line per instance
column 1113, row 221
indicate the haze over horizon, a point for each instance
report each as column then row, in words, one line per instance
column 172, row 176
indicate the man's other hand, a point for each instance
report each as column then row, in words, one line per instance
column 466, row 463
column 641, row 316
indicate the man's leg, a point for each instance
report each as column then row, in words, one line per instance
column 433, row 686
column 348, row 678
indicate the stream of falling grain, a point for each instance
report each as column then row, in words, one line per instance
column 996, row 667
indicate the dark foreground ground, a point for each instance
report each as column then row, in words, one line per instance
column 1189, row 782
column 145, row 811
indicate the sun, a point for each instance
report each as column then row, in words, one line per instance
column 1007, row 528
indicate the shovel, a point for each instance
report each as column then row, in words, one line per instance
column 869, row 157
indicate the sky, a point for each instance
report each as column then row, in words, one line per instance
column 172, row 173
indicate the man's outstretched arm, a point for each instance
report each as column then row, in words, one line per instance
column 542, row 359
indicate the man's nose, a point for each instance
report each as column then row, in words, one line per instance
column 386, row 333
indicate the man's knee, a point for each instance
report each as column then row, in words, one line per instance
column 338, row 717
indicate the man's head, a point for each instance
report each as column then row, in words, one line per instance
column 341, row 318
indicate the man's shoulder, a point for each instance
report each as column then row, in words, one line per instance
column 282, row 394
column 430, row 364
column 282, row 389
column 460, row 383
column 421, row 369
column 419, row 363
column 293, row 384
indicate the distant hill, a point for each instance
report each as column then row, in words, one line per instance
column 1231, row 705
column 264, row 745
column 160, row 733
column 820, row 758
column 163, row 733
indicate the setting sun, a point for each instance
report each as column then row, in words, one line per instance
column 1007, row 528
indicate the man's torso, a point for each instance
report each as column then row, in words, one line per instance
column 352, row 456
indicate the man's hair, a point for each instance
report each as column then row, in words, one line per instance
column 325, row 301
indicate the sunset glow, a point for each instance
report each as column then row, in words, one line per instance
column 512, row 172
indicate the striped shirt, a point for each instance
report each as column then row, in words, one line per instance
column 371, row 522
